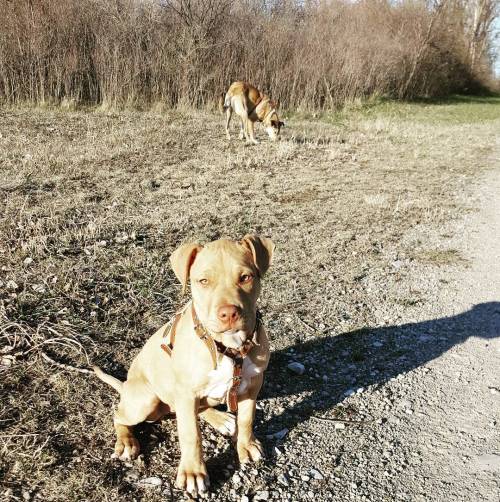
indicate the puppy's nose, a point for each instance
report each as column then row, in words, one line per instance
column 228, row 314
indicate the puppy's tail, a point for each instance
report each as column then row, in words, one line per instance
column 224, row 102
column 110, row 380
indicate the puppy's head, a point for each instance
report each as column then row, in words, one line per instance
column 272, row 123
column 225, row 281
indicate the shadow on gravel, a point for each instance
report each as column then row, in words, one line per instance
column 362, row 358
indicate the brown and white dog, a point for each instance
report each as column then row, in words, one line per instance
column 251, row 106
column 190, row 365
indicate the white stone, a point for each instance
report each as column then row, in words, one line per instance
column 297, row 368
column 12, row 285
column 263, row 495
column 152, row 481
column 316, row 474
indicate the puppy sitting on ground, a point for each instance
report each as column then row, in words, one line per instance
column 214, row 350
column 251, row 106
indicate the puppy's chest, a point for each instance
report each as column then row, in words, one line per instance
column 220, row 379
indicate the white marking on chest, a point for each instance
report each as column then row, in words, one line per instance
column 221, row 378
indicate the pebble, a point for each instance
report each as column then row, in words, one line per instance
column 349, row 392
column 28, row 260
column 316, row 474
column 339, row 425
column 263, row 495
column 236, row 478
column 244, row 498
column 282, row 480
column 12, row 285
column 152, row 481
column 305, row 478
column 297, row 368
column 278, row 435
column 132, row 476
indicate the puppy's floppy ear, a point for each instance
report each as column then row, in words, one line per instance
column 182, row 259
column 281, row 124
column 262, row 250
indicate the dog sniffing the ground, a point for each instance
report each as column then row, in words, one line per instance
column 251, row 106
column 214, row 350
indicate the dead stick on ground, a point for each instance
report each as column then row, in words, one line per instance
column 64, row 366
column 341, row 420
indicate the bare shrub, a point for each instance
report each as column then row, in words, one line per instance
column 309, row 54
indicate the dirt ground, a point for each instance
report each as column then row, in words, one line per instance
column 387, row 224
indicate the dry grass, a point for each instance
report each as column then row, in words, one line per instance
column 92, row 203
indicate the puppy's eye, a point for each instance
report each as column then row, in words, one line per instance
column 203, row 282
column 244, row 278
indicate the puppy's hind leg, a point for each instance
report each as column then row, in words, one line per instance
column 137, row 404
column 221, row 421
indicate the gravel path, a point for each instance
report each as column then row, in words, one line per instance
column 457, row 432
column 435, row 408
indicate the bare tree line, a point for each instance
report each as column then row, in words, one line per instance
column 311, row 53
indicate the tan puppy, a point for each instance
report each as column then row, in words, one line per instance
column 225, row 281
column 251, row 106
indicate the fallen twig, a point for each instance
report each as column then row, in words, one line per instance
column 342, row 420
column 62, row 365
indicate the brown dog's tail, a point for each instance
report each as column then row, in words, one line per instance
column 110, row 380
column 221, row 103
column 224, row 102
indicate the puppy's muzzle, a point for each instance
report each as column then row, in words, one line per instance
column 228, row 316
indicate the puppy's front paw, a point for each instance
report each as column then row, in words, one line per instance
column 126, row 448
column 192, row 477
column 251, row 451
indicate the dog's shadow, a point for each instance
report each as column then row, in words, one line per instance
column 336, row 366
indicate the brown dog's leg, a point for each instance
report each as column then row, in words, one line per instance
column 242, row 130
column 223, row 422
column 229, row 112
column 136, row 405
column 251, row 131
column 249, row 448
column 192, row 473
